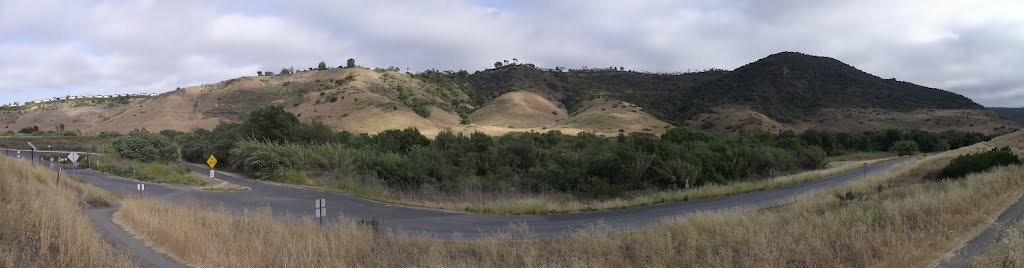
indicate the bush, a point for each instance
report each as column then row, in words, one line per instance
column 812, row 157
column 140, row 145
column 904, row 147
column 290, row 176
column 979, row 162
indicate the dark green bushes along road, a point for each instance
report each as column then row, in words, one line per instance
column 978, row 162
column 272, row 144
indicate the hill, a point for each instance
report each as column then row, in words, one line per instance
column 1012, row 114
column 784, row 91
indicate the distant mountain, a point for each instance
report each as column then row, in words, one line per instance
column 1012, row 114
column 792, row 85
column 784, row 91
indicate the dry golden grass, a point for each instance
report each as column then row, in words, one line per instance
column 895, row 219
column 534, row 203
column 1009, row 252
column 44, row 225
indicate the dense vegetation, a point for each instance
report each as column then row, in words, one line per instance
column 978, row 162
column 1012, row 114
column 785, row 86
column 140, row 145
column 272, row 144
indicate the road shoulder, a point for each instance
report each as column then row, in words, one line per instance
column 144, row 255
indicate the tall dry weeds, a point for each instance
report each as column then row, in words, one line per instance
column 44, row 225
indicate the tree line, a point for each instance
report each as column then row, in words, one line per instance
column 271, row 143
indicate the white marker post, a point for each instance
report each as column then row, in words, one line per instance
column 142, row 189
column 865, row 170
column 321, row 210
column 73, row 156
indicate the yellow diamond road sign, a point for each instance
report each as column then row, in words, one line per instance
column 212, row 161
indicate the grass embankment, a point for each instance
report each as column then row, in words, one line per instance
column 44, row 225
column 175, row 173
column 895, row 219
column 171, row 173
column 539, row 203
column 1009, row 252
column 63, row 143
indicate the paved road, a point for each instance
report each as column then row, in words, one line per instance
column 988, row 237
column 295, row 201
column 142, row 255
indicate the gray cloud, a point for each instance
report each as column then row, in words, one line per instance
column 84, row 47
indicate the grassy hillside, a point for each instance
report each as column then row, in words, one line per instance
column 786, row 86
column 784, row 91
column 1012, row 114
column 44, row 224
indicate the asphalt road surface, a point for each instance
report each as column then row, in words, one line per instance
column 288, row 201
column 142, row 255
column 987, row 237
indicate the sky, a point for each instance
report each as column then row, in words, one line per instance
column 56, row 48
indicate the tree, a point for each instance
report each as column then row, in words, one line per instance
column 322, row 66
column 259, row 73
column 144, row 146
column 497, row 64
column 271, row 123
column 351, row 63
column 285, row 71
column 904, row 147
column 29, row 130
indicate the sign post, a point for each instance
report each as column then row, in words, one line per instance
column 321, row 210
column 212, row 162
column 73, row 156
column 33, row 151
column 142, row 188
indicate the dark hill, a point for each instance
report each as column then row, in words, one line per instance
column 786, row 86
column 1012, row 114
column 792, row 85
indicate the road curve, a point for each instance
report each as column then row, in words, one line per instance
column 988, row 237
column 298, row 202
column 140, row 253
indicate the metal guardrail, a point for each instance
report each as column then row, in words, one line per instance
column 44, row 151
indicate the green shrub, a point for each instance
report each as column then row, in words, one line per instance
column 163, row 173
column 904, row 147
column 290, row 176
column 146, row 147
column 812, row 157
column 978, row 162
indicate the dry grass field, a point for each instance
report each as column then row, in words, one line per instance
column 44, row 225
column 534, row 203
column 1009, row 252
column 895, row 219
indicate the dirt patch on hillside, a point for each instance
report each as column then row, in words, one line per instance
column 610, row 116
column 734, row 119
column 520, row 110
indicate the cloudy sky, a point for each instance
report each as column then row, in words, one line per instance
column 53, row 47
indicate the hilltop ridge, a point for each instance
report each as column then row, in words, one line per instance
column 783, row 91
